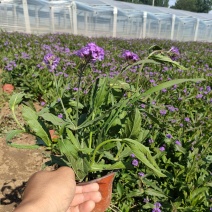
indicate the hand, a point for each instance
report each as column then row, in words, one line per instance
column 56, row 191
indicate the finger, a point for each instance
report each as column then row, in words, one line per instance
column 87, row 188
column 94, row 196
column 84, row 207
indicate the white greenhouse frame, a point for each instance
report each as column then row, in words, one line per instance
column 108, row 18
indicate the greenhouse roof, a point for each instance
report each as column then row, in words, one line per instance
column 123, row 7
column 104, row 17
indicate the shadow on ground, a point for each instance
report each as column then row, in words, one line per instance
column 10, row 194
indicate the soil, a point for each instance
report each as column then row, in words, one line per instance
column 17, row 165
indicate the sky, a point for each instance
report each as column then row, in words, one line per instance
column 172, row 2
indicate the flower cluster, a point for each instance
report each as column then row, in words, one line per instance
column 174, row 53
column 91, row 52
column 130, row 56
column 51, row 61
column 156, row 208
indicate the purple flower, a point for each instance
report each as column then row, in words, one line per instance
column 130, row 56
column 187, row 119
column 143, row 105
column 153, row 102
column 135, row 162
column 174, row 53
column 60, row 116
column 151, row 141
column 156, row 210
column 178, row 143
column 146, row 200
column 141, row 174
column 171, row 108
column 42, row 103
column 24, row 55
column 169, row 136
column 163, row 112
column 51, row 61
column 199, row 96
column 162, row 148
column 208, row 88
column 91, row 52
column 132, row 155
column 157, row 205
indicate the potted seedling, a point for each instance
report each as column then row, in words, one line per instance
column 94, row 135
column 8, row 88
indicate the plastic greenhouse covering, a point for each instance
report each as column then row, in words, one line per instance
column 104, row 18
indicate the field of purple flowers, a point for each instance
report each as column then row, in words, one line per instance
column 176, row 121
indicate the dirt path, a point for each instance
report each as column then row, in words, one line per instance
column 17, row 165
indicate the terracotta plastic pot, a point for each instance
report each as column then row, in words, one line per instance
column 54, row 137
column 105, row 188
column 8, row 88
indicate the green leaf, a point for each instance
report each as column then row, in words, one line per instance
column 150, row 183
column 11, row 134
column 142, row 135
column 197, row 192
column 91, row 122
column 120, row 189
column 32, row 120
column 86, row 150
column 108, row 155
column 155, row 193
column 74, row 104
column 101, row 93
column 180, row 149
column 101, row 167
column 154, row 48
column 164, row 59
column 144, row 155
column 15, row 100
column 120, row 85
column 22, row 146
column 74, row 141
column 135, row 193
column 133, row 124
column 53, row 119
column 169, row 84
column 82, row 168
column 67, row 148
column 148, row 206
column 126, row 152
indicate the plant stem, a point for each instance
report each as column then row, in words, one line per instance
column 139, row 75
column 61, row 101
column 15, row 118
column 102, row 144
column 91, row 132
column 82, row 68
column 119, row 152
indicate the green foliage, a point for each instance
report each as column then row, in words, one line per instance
column 161, row 3
column 199, row 6
column 120, row 113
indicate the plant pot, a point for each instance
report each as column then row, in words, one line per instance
column 54, row 136
column 8, row 88
column 105, row 188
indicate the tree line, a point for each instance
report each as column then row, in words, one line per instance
column 199, row 6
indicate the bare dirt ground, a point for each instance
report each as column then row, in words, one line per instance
column 16, row 165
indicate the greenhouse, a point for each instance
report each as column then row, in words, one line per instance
column 104, row 18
